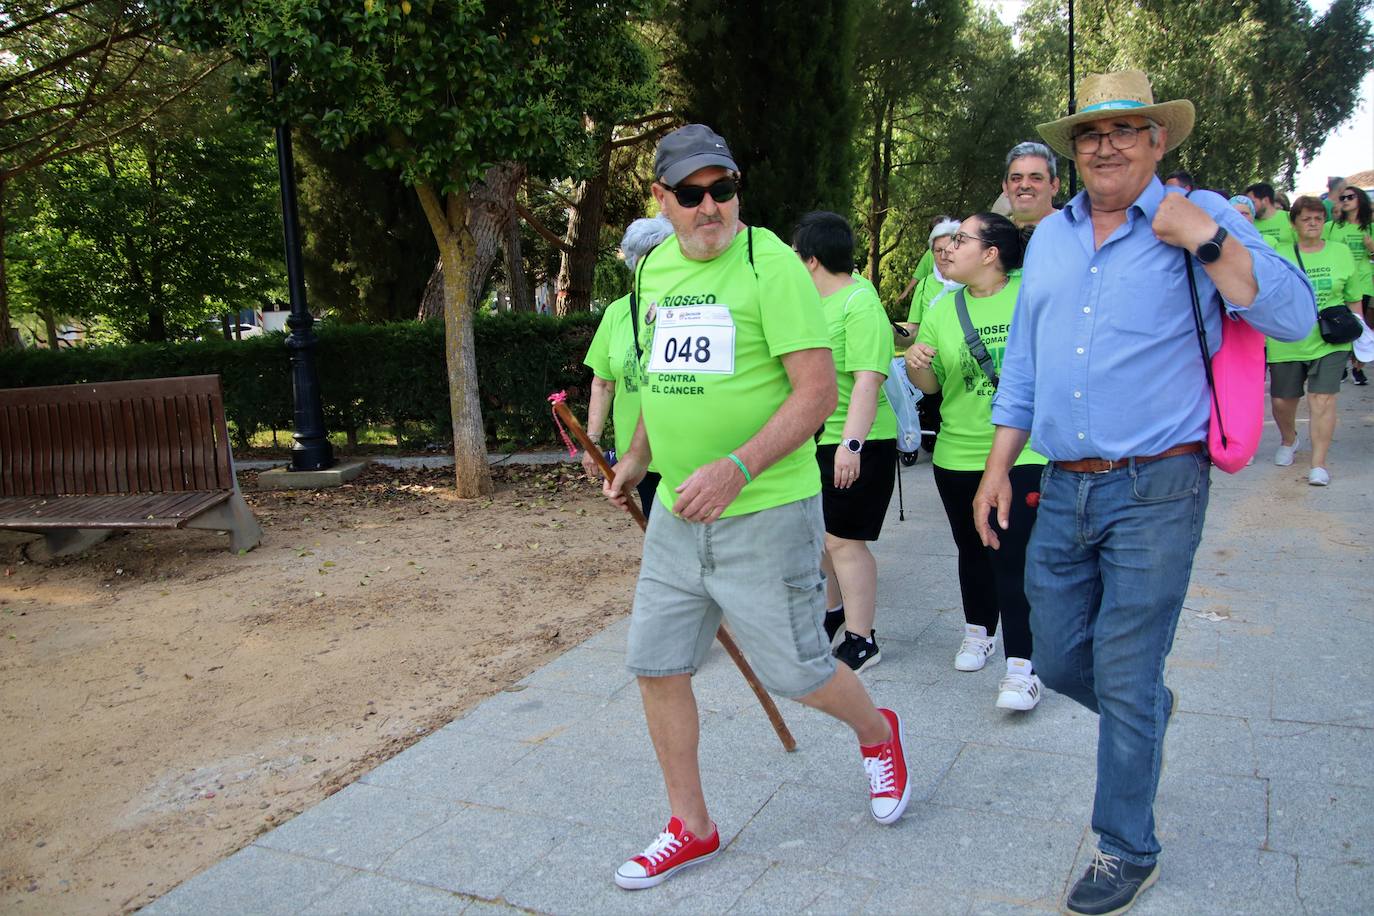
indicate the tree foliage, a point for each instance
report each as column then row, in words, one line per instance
column 1269, row 79
column 775, row 78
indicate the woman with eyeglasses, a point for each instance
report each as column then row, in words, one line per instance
column 1352, row 225
column 944, row 359
column 1311, row 363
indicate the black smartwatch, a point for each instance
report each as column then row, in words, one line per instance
column 1210, row 250
column 854, row 445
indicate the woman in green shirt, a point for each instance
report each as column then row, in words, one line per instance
column 987, row 248
column 856, row 449
column 1352, row 225
column 1312, row 362
column 616, row 373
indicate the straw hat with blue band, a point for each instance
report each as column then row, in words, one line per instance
column 1126, row 92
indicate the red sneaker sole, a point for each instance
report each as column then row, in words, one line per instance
column 638, row 884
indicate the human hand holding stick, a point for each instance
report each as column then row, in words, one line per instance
column 569, row 421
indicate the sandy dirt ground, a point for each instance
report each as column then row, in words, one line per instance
column 165, row 701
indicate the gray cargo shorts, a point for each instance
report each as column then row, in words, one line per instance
column 761, row 571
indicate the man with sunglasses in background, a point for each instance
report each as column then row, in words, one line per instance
column 739, row 377
column 1104, row 375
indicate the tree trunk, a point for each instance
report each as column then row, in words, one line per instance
column 50, row 325
column 6, row 334
column 521, row 293
column 577, row 263
column 879, row 186
column 490, row 207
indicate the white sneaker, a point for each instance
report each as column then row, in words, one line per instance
column 975, row 649
column 1318, row 477
column 1283, row 455
column 1018, row 691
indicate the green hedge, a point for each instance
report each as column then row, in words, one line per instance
column 391, row 374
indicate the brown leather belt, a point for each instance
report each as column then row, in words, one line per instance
column 1102, row 465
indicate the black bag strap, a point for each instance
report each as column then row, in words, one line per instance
column 1202, row 343
column 1302, row 267
column 975, row 343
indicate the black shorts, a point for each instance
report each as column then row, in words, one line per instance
column 857, row 512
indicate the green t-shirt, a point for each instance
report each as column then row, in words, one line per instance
column 860, row 338
column 966, row 412
column 926, row 266
column 612, row 357
column 925, row 293
column 1278, row 228
column 1350, row 234
column 1332, row 274
column 712, row 334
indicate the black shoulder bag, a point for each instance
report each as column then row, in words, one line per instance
column 1338, row 325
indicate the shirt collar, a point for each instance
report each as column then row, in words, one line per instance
column 1148, row 202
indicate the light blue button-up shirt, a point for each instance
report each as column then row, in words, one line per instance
column 1103, row 359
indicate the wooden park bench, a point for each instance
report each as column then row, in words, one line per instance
column 78, row 462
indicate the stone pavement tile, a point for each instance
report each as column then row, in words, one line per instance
column 908, row 622
column 532, row 714
column 1220, row 809
column 602, row 790
column 617, row 727
column 368, row 894
column 449, row 764
column 479, row 852
column 255, row 880
column 1334, row 687
column 577, row 876
column 612, row 638
column 1204, row 878
column 938, row 847
column 787, row 887
column 595, row 672
column 802, row 825
column 1320, row 753
column 1222, row 745
column 360, row 826
column 1321, row 819
column 984, row 906
column 965, row 710
column 1019, row 784
column 492, row 908
column 1234, row 687
column 1335, row 888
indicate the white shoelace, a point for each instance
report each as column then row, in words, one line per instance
column 880, row 776
column 1103, row 863
column 1020, row 683
column 973, row 645
column 662, row 848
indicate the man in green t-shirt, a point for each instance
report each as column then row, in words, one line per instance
column 1270, row 222
column 738, row 378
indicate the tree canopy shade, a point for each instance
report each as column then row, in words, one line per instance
column 1269, row 79
column 441, row 91
column 775, row 79
column 75, row 75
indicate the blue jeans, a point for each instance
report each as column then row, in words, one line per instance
column 1107, row 569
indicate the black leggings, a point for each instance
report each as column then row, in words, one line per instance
column 989, row 579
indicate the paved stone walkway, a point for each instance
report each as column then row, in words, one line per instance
column 531, row 800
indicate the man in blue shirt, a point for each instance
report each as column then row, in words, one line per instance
column 1104, row 375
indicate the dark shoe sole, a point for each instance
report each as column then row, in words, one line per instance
column 1145, row 885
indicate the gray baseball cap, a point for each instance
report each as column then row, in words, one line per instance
column 687, row 149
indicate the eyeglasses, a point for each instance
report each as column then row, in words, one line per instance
column 960, row 238
column 1347, row 197
column 1120, row 138
column 691, row 195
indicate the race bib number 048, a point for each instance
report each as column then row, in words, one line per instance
column 694, row 339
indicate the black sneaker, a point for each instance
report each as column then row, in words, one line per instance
column 859, row 653
column 834, row 623
column 1109, row 886
column 1359, row 377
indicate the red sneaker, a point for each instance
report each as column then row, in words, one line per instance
column 886, row 767
column 675, row 849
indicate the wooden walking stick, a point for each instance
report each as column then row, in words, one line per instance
column 565, row 416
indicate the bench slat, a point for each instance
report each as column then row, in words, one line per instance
column 172, row 510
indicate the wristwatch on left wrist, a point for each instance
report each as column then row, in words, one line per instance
column 854, row 445
column 1209, row 251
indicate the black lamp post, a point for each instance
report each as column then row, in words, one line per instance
column 312, row 450
column 1073, row 104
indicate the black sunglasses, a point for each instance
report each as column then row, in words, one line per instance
column 691, row 195
column 1347, row 197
